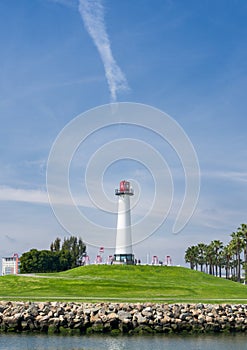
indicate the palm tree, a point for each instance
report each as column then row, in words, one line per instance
column 227, row 254
column 202, row 255
column 210, row 258
column 237, row 246
column 191, row 256
column 221, row 261
column 217, row 247
column 242, row 230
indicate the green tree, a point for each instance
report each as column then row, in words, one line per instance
column 191, row 256
column 202, row 247
column 55, row 246
column 65, row 260
column 56, row 259
column 30, row 261
column 215, row 256
column 217, row 248
column 75, row 248
column 237, row 245
column 210, row 258
column 227, row 254
column 242, row 230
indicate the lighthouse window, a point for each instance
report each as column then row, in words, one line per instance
column 125, row 257
column 129, row 257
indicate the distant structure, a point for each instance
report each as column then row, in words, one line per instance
column 109, row 260
column 123, row 253
column 155, row 260
column 85, row 260
column 98, row 260
column 10, row 265
column 168, row 261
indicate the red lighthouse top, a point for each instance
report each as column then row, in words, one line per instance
column 124, row 188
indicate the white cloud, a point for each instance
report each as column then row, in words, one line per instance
column 237, row 176
column 40, row 197
column 92, row 13
column 23, row 195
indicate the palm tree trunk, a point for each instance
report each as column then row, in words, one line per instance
column 227, row 268
column 238, row 267
column 216, row 269
column 245, row 264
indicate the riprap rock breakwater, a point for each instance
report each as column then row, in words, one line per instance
column 119, row 318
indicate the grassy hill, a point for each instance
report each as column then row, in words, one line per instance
column 124, row 283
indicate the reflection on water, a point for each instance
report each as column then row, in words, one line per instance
column 44, row 342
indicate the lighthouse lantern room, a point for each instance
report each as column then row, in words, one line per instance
column 123, row 253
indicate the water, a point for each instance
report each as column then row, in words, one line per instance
column 191, row 342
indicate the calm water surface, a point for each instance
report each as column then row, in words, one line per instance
column 42, row 342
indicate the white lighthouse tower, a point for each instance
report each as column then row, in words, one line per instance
column 123, row 253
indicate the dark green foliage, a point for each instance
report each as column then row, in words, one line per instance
column 66, row 257
column 212, row 258
column 71, row 252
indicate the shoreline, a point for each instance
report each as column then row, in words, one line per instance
column 121, row 318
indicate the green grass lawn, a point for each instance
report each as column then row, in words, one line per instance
column 124, row 283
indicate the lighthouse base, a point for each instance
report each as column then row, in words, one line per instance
column 124, row 259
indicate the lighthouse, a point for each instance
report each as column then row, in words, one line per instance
column 123, row 253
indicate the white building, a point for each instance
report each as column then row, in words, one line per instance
column 123, row 253
column 10, row 265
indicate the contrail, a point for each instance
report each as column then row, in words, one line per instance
column 92, row 13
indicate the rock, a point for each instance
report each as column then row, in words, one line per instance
column 95, row 310
column 201, row 317
column 54, row 321
column 104, row 318
column 165, row 320
column 112, row 308
column 112, row 316
column 34, row 311
column 94, row 318
column 140, row 319
column 2, row 308
column 209, row 319
column 126, row 321
column 18, row 316
column 87, row 311
column 159, row 313
column 123, row 318
column 41, row 306
column 148, row 309
column 44, row 318
column 50, row 313
column 124, row 315
column 184, row 315
column 147, row 313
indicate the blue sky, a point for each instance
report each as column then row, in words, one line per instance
column 188, row 59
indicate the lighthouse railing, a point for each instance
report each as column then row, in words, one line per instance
column 125, row 191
